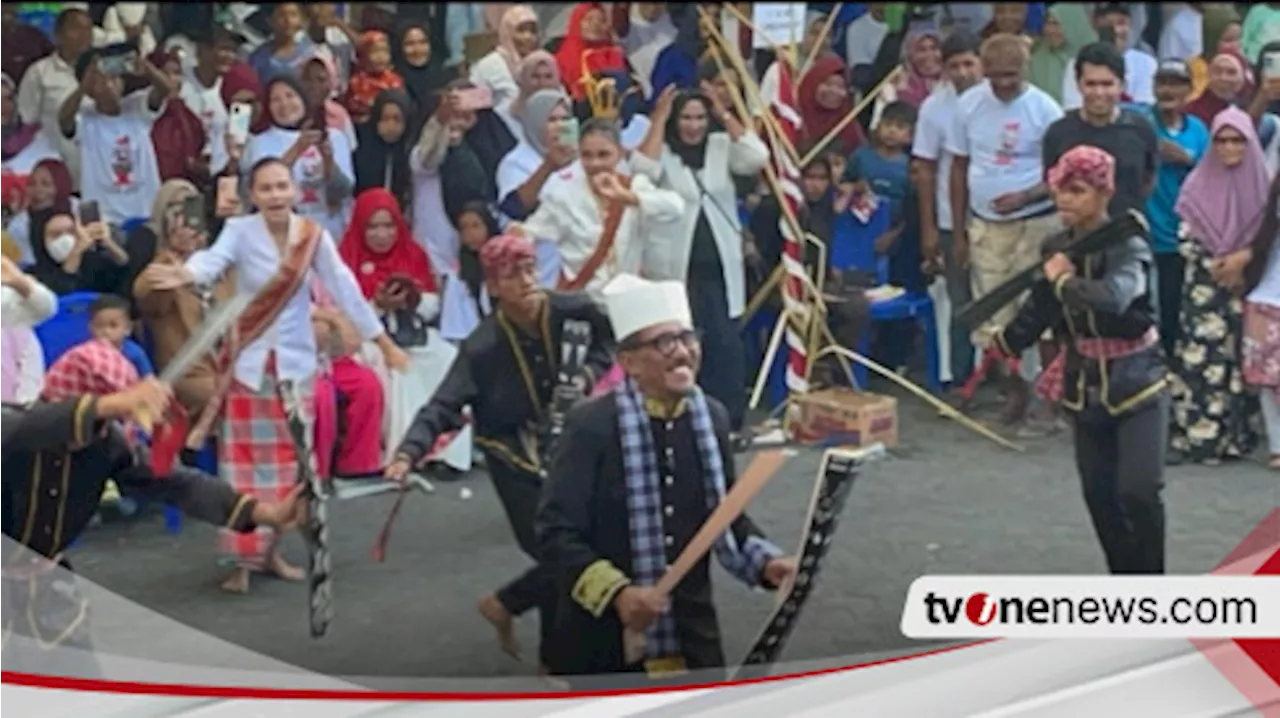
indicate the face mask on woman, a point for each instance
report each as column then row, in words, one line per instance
column 60, row 247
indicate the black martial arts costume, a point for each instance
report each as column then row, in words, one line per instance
column 1120, row 406
column 56, row 459
column 584, row 532
column 507, row 378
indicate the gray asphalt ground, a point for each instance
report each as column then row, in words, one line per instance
column 946, row 501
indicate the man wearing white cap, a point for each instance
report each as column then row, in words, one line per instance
column 635, row 474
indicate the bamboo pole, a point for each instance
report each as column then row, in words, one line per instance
column 770, row 355
column 822, row 38
column 748, row 83
column 761, row 296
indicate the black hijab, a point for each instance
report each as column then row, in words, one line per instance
column 421, row 82
column 308, row 108
column 379, row 163
column 693, row 156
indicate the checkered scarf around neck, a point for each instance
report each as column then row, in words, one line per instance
column 644, row 504
column 94, row 367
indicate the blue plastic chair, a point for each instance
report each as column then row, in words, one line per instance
column 853, row 248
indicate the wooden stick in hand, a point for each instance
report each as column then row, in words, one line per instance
column 762, row 468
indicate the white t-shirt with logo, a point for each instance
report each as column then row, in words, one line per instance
column 308, row 173
column 1004, row 145
column 117, row 159
column 206, row 103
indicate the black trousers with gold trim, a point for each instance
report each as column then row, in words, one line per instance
column 46, row 626
column 520, row 493
column 1121, row 464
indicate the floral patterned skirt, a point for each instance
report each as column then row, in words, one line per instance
column 1260, row 346
column 1213, row 413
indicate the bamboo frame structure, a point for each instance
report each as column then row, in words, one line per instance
column 817, row 331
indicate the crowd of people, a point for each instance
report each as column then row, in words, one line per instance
column 368, row 180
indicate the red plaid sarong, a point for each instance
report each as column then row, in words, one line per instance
column 1050, row 385
column 257, row 458
column 1260, row 346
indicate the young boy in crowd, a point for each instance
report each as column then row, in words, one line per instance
column 882, row 170
column 110, row 321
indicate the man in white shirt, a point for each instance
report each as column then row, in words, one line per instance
column 932, row 162
column 997, row 176
column 1140, row 67
column 201, row 90
column 50, row 80
column 1182, row 37
column 863, row 36
column 117, row 157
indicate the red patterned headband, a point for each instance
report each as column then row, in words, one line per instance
column 1088, row 164
column 500, row 254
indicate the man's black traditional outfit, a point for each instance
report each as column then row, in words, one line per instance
column 1111, row 376
column 507, row 377
column 56, row 459
column 630, row 485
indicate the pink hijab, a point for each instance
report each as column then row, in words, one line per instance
column 512, row 19
column 1224, row 206
column 916, row 88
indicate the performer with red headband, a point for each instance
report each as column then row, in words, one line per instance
column 506, row 372
column 57, row 455
column 1111, row 373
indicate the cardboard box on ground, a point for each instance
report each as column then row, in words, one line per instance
column 839, row 416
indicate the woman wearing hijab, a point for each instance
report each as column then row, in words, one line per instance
column 382, row 157
column 1067, row 28
column 69, row 260
column 48, row 185
column 825, row 101
column 704, row 247
column 539, row 154
column 422, row 70
column 1219, row 30
column 1221, row 206
column 465, row 299
column 921, row 68
column 240, row 85
column 466, row 146
column 319, row 158
column 537, row 71
column 172, row 316
column 395, row 276
column 517, row 37
column 320, row 79
column 1230, row 84
column 588, row 47
column 178, row 133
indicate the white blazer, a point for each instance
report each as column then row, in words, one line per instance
column 569, row 216
column 725, row 158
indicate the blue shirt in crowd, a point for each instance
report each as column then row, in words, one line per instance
column 889, row 177
column 1193, row 138
column 137, row 356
